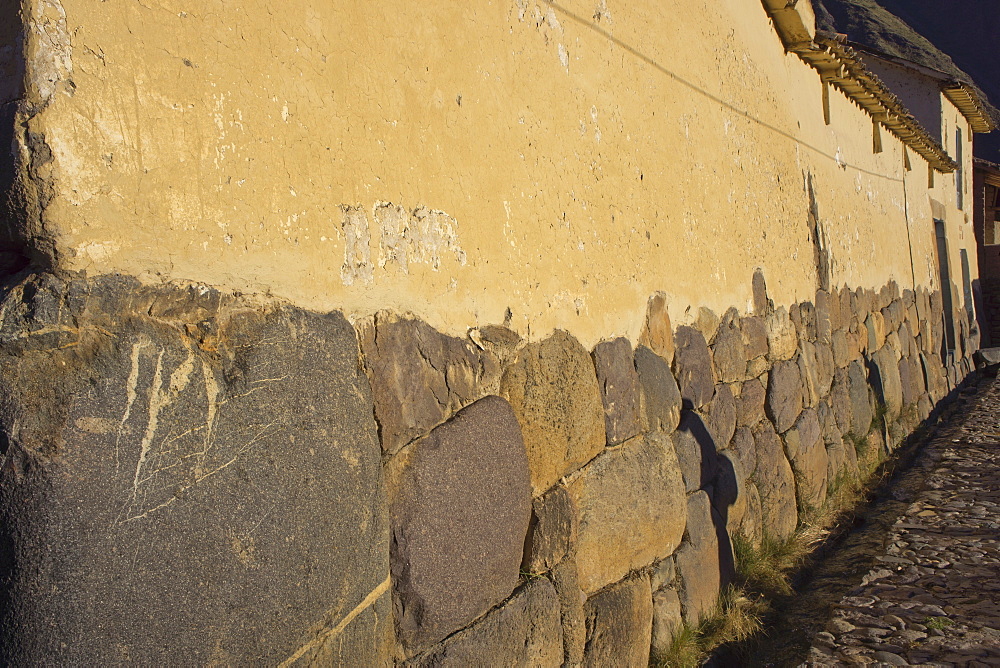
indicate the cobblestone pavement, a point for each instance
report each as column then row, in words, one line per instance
column 934, row 598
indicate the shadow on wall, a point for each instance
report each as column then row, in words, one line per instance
column 12, row 205
column 718, row 478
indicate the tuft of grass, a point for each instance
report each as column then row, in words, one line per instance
column 736, row 617
column 763, row 569
column 939, row 623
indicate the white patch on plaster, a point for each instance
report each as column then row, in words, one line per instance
column 357, row 265
column 97, row 251
column 50, row 61
column 564, row 57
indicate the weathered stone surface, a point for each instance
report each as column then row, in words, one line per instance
column 721, row 419
column 571, row 600
column 693, row 367
column 662, row 574
column 696, row 451
column 782, row 339
column 700, row 561
column 761, row 304
column 825, row 368
column 745, row 450
column 707, row 322
column 807, row 454
column 554, row 392
column 803, row 315
column 840, row 401
column 728, row 353
column 619, row 385
column 186, row 477
column 907, row 342
column 657, row 333
column 728, row 490
column 911, row 380
column 754, row 335
column 885, row 381
column 893, row 344
column 524, row 631
column 630, row 502
column 876, row 331
column 552, row 532
column 752, row 524
column 784, row 395
column 893, row 315
column 666, row 619
column 750, row 403
column 804, row 433
column 841, row 350
column 661, row 396
column 934, row 376
column 861, row 408
column 987, row 356
column 757, row 367
column 824, row 326
column 419, row 376
column 807, row 371
column 775, row 482
column 619, row 625
column 463, row 486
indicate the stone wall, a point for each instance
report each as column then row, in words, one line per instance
column 200, row 477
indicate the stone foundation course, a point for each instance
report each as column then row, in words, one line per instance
column 202, row 478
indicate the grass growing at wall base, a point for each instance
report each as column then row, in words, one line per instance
column 736, row 617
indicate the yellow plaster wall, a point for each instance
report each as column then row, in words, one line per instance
column 563, row 161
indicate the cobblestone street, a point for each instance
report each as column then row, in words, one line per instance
column 934, row 597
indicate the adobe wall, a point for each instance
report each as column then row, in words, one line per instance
column 441, row 332
column 412, row 157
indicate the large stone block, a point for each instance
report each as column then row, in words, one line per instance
column 667, row 619
column 693, row 367
column 861, row 407
column 744, row 448
column 553, row 530
column 696, row 451
column 461, row 488
column 808, row 373
column 840, row 348
column 806, row 451
column 784, row 395
column 419, row 376
column 754, row 334
column 704, row 562
column 189, row 479
column 657, row 333
column 524, row 631
column 554, row 392
column 566, row 579
column 750, row 403
column 840, row 401
column 729, row 490
column 619, row 625
column 630, row 502
column 619, row 385
column 728, row 352
column 775, row 482
column 911, row 380
column 886, row 382
column 721, row 418
column 824, row 320
column 825, row 368
column 782, row 339
column 661, row 396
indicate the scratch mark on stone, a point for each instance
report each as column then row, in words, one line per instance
column 130, row 387
column 369, row 600
column 155, row 403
